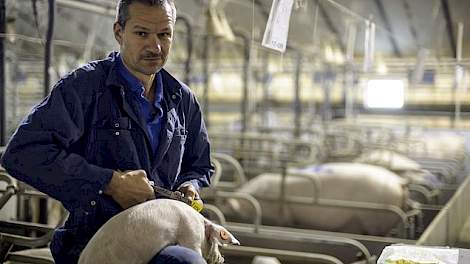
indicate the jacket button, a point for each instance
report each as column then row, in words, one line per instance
column 116, row 125
column 173, row 97
column 100, row 192
column 93, row 203
column 117, row 133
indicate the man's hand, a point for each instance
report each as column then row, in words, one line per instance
column 188, row 191
column 130, row 188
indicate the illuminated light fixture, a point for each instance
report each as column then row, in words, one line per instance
column 381, row 68
column 217, row 82
column 329, row 54
column 384, row 94
column 339, row 58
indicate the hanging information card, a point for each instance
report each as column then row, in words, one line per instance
column 277, row 28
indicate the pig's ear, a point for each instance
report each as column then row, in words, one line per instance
column 227, row 237
column 220, row 234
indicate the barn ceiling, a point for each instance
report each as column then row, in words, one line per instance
column 404, row 27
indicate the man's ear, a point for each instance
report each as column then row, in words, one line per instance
column 118, row 30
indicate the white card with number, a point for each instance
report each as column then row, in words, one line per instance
column 277, row 28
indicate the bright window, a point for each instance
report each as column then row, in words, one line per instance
column 384, row 94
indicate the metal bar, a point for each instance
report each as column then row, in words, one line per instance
column 372, row 45
column 239, row 174
column 388, row 25
column 266, row 99
column 209, row 208
column 251, row 200
column 459, row 75
column 10, row 191
column 268, row 233
column 21, row 225
column 3, row 122
column 31, row 242
column 189, row 47
column 48, row 46
column 215, row 179
column 246, row 72
column 285, row 255
column 205, row 95
column 450, row 30
column 349, row 71
column 326, row 86
column 282, row 194
column 366, row 63
column 17, row 257
column 414, row 33
column 459, row 41
column 297, row 100
column 105, row 11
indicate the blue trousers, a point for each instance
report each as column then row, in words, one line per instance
column 177, row 255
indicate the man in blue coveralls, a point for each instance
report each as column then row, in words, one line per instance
column 109, row 128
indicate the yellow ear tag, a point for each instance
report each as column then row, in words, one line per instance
column 224, row 235
column 197, row 205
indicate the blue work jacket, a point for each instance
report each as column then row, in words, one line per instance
column 70, row 143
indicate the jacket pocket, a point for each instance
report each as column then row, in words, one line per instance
column 175, row 153
column 114, row 148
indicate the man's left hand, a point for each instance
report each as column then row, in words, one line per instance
column 189, row 191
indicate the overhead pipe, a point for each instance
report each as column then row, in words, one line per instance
column 349, row 72
column 246, row 76
column 189, row 47
column 3, row 122
column 327, row 86
column 266, row 104
column 388, row 26
column 409, row 14
column 450, row 29
column 369, row 46
column 205, row 69
column 459, row 75
column 48, row 46
column 297, row 101
column 331, row 26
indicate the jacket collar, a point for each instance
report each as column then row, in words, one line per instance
column 112, row 77
column 170, row 84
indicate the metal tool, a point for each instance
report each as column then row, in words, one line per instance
column 162, row 192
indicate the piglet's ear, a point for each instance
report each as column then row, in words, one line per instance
column 218, row 233
column 224, row 235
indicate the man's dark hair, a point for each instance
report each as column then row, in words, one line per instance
column 122, row 11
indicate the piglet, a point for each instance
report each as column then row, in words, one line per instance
column 137, row 234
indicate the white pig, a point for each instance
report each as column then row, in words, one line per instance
column 137, row 234
column 402, row 166
column 337, row 181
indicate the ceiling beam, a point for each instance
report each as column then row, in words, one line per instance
column 450, row 30
column 413, row 31
column 331, row 26
column 262, row 9
column 388, row 26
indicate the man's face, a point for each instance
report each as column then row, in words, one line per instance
column 146, row 39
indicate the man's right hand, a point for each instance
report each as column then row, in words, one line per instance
column 130, row 188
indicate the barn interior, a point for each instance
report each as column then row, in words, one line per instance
column 338, row 128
